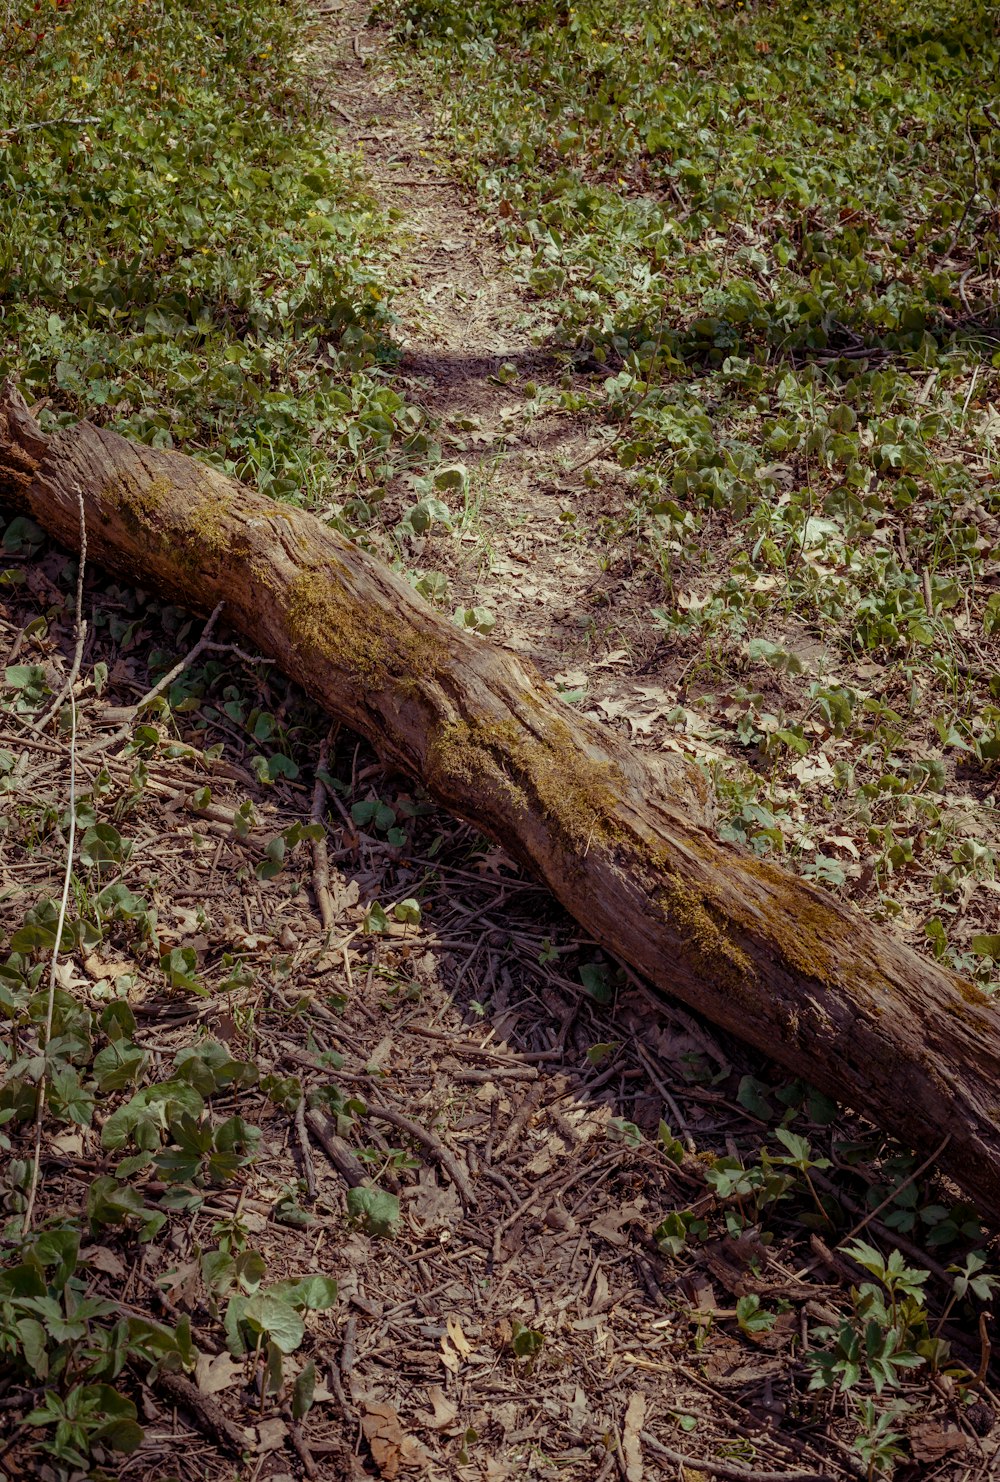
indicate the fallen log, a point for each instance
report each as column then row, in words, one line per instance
column 619, row 837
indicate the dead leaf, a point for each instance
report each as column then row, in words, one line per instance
column 67, row 977
column 635, row 1419
column 432, row 1206
column 271, row 1434
column 457, row 1337
column 97, row 969
column 102, row 1259
column 700, row 1292
column 384, row 1435
column 381, row 1055
column 214, row 1374
column 543, row 1160
column 609, row 1225
column 184, row 1283
column 392, row 1451
column 445, row 1410
column 931, row 1442
column 69, row 1143
column 579, row 1410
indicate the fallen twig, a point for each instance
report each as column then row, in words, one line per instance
column 308, row 1166
column 67, row 878
column 338, row 1151
column 434, row 1146
column 206, row 1413
column 726, row 1468
column 81, row 636
column 299, row 1443
column 320, row 852
column 48, row 123
column 161, row 684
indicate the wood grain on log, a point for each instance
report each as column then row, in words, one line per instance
column 618, row 836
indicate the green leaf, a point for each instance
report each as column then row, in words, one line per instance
column 23, row 537
column 751, row 1317
column 314, row 1293
column 454, row 476
column 277, row 1319
column 478, row 619
column 233, row 1324
column 750, row 1095
column 375, row 920
column 26, row 677
column 525, row 1342
column 303, row 1391
column 376, row 1210
column 32, row 1337
column 596, row 983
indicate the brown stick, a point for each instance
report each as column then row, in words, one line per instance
column 726, row 1468
column 321, row 855
column 299, row 1443
column 434, row 1146
column 620, row 838
column 338, row 1151
column 302, row 1132
column 207, row 1414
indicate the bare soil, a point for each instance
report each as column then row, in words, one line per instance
column 537, row 546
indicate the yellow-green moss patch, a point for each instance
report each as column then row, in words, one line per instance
column 483, row 754
column 972, row 994
column 708, row 942
column 208, row 523
column 572, row 791
column 138, row 500
column 359, row 640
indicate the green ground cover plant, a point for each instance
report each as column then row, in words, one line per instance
column 775, row 228
column 764, row 237
column 184, row 256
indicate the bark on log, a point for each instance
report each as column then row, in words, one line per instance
column 618, row 837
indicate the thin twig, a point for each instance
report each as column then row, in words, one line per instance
column 968, row 394
column 320, row 852
column 972, row 194
column 64, row 898
column 81, row 635
column 308, row 1166
column 680, row 1121
column 161, row 684
column 299, row 1443
column 349, row 1347
column 889, row 1199
column 206, row 1412
column 726, row 1468
column 167, row 680
column 603, row 447
column 339, row 1152
column 434, row 1146
column 48, row 123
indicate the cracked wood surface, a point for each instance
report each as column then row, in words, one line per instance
column 623, row 840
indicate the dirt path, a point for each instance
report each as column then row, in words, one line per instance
column 536, row 542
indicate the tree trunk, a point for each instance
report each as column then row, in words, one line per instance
column 620, row 838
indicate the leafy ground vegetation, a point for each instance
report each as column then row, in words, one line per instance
column 329, row 1146
column 777, row 228
column 184, row 257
